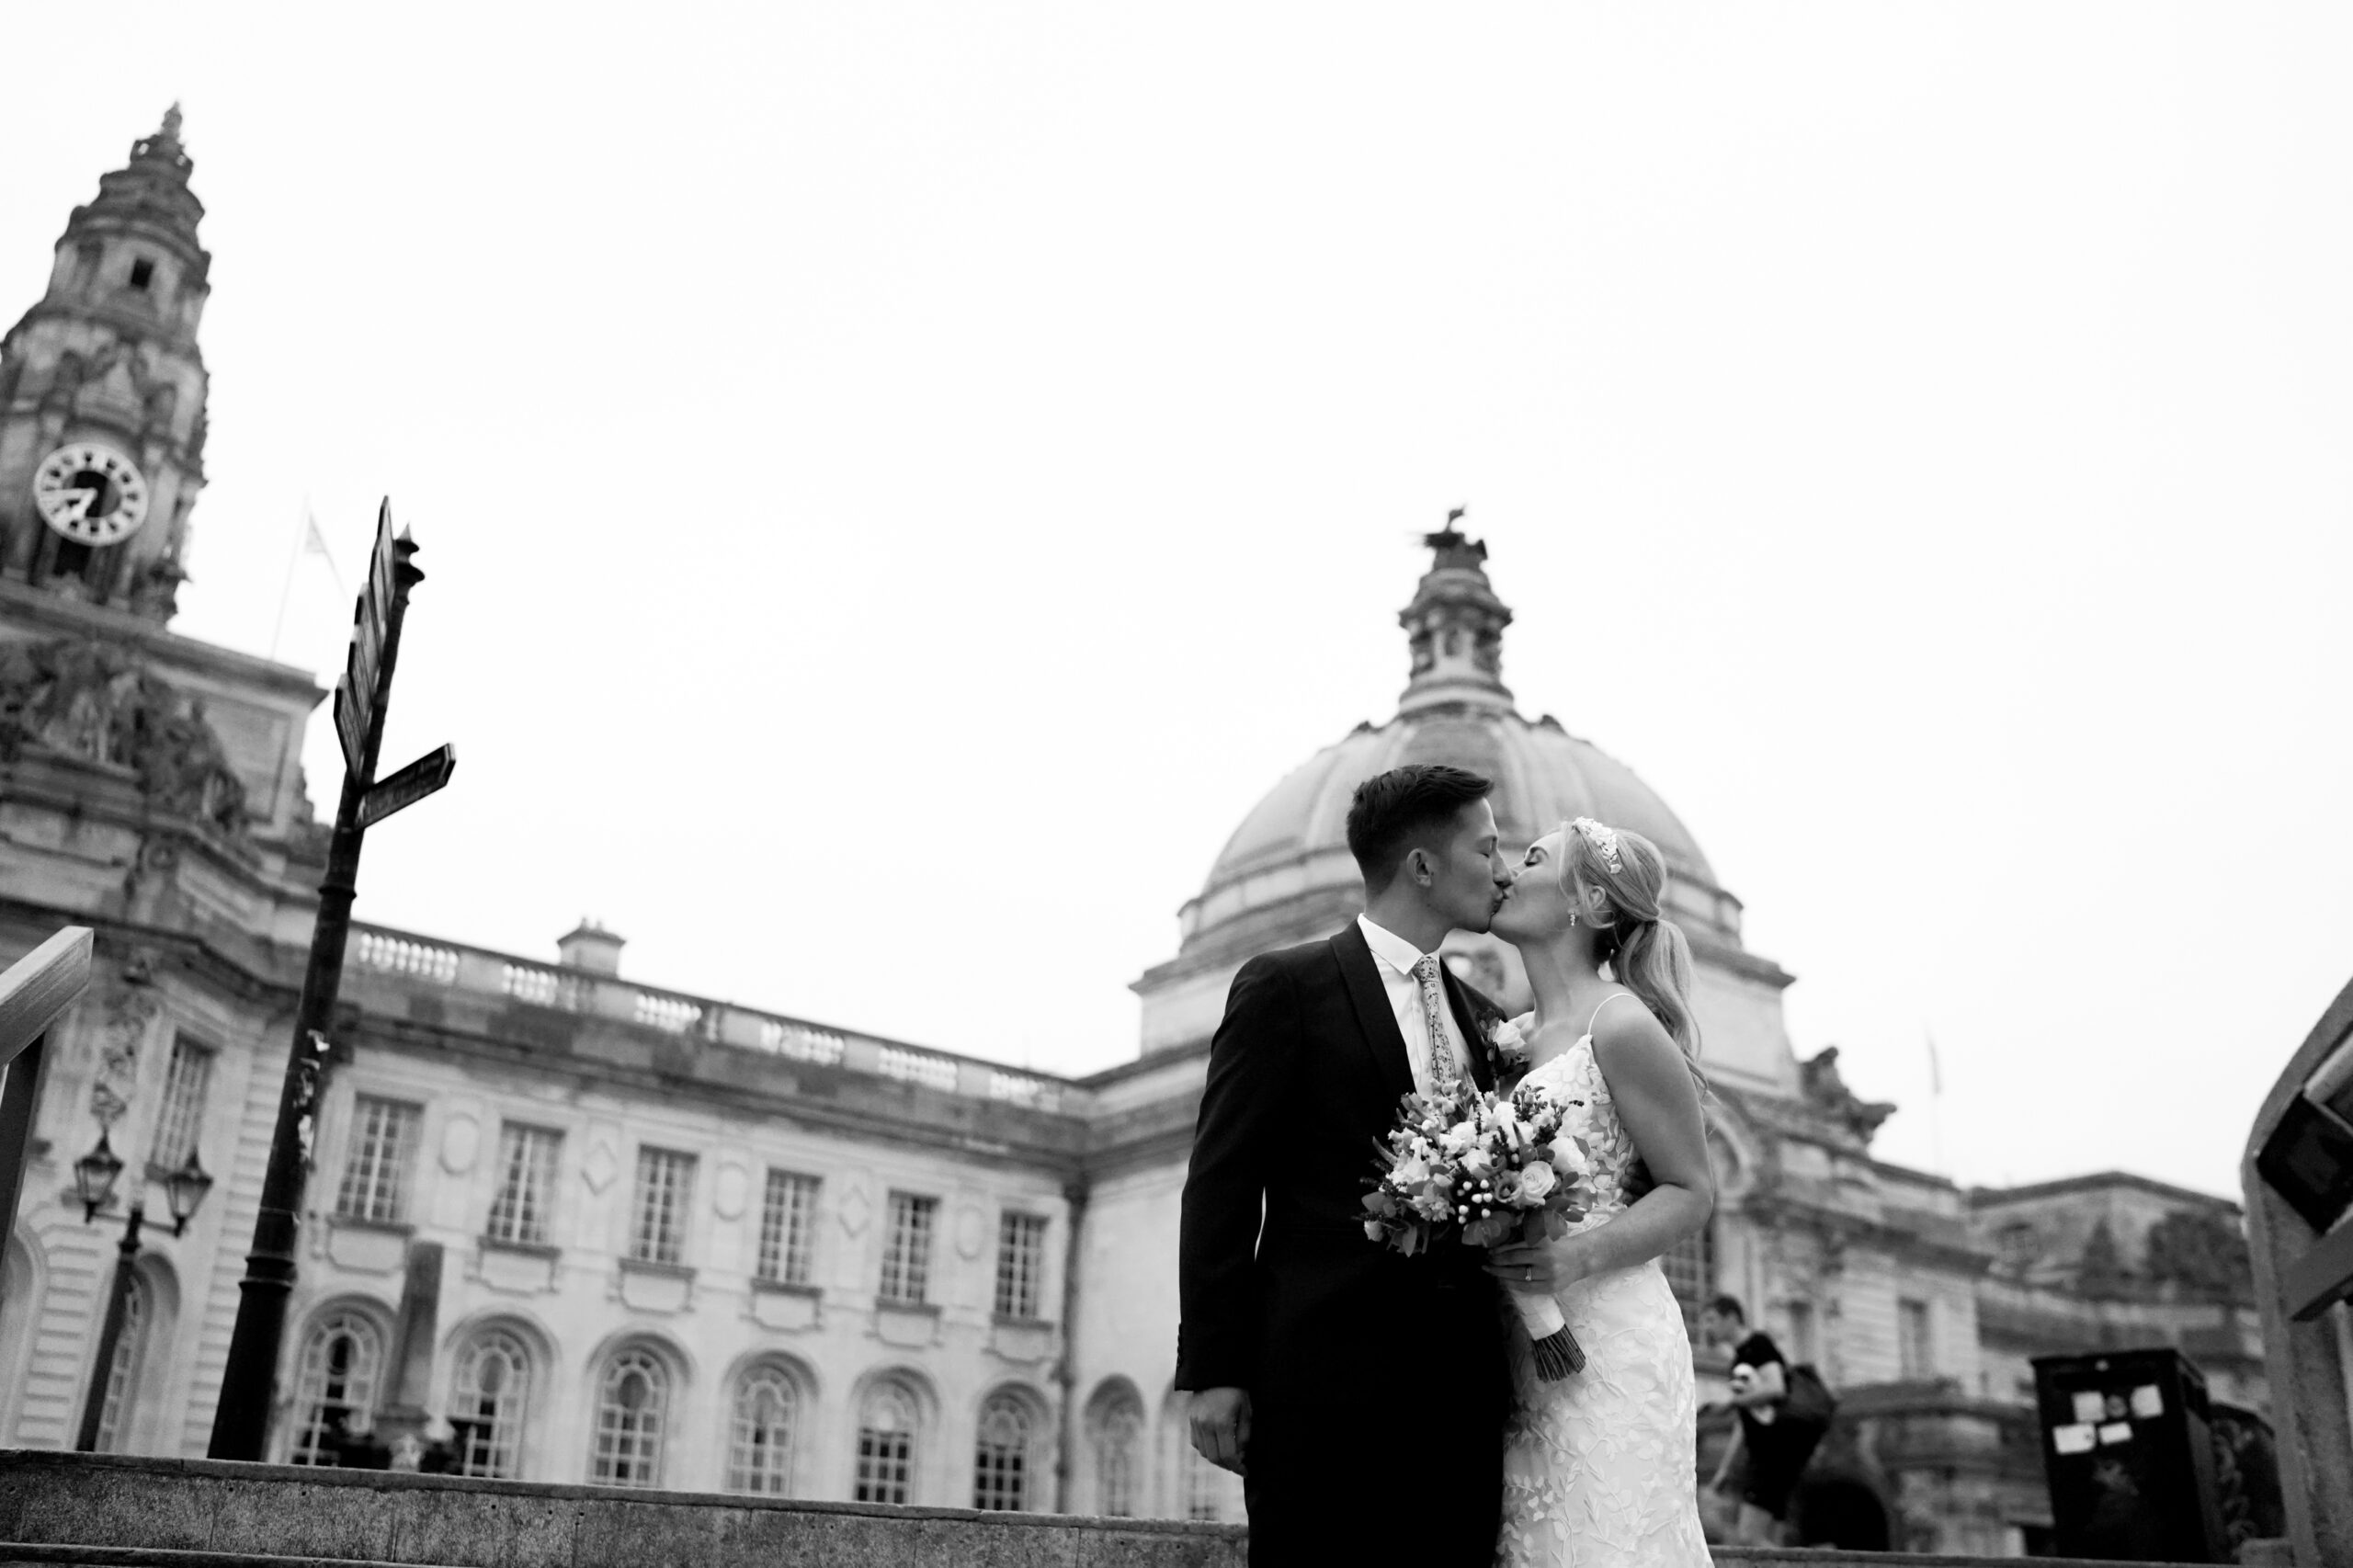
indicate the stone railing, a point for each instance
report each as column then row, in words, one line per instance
column 419, row 962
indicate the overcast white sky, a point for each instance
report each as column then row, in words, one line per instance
column 898, row 483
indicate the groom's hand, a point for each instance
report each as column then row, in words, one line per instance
column 1221, row 1420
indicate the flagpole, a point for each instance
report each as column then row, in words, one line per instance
column 294, row 558
column 1936, row 1105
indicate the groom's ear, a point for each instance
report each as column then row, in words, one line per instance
column 1418, row 867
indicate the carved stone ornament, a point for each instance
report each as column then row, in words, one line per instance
column 972, row 1230
column 1826, row 1091
column 131, row 1008
column 96, row 700
column 731, row 1192
column 461, row 1140
column 600, row 1167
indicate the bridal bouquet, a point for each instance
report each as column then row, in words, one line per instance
column 1487, row 1169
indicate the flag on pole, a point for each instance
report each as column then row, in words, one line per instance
column 316, row 543
column 312, row 542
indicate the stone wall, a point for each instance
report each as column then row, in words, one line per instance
column 377, row 1518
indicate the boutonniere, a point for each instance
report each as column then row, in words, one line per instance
column 1505, row 1041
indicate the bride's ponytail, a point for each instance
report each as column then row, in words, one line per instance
column 1650, row 956
column 1654, row 962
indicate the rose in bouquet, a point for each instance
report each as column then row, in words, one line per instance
column 1483, row 1170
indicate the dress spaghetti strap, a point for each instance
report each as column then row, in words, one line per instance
column 1596, row 1012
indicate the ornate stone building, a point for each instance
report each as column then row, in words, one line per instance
column 574, row 1227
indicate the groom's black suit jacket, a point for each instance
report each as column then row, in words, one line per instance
column 1357, row 1361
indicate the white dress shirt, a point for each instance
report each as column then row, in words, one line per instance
column 1395, row 958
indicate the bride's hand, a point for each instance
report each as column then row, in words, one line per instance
column 1547, row 1267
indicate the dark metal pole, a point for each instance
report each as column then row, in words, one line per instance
column 1066, row 1368
column 241, row 1421
column 111, row 1335
column 18, row 1093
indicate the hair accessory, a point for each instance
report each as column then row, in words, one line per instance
column 1604, row 839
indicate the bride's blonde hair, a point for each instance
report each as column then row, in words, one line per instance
column 1649, row 955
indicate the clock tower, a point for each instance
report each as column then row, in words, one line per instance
column 102, row 394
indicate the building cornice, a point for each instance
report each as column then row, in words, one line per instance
column 35, row 608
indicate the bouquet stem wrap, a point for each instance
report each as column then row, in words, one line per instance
column 1558, row 1353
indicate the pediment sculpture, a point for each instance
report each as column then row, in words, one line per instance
column 78, row 696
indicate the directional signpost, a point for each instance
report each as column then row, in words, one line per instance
column 407, row 787
column 241, row 1422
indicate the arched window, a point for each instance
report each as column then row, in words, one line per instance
column 487, row 1412
column 1118, row 1457
column 759, row 1452
column 334, row 1381
column 629, row 1408
column 1001, row 1456
column 887, row 1425
column 1204, row 1486
column 122, row 1376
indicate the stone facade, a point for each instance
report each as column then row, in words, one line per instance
column 565, row 1227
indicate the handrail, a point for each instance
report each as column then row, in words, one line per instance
column 41, row 985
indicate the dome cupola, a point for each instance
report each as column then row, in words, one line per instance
column 1455, row 628
column 1286, row 875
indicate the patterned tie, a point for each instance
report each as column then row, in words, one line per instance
column 1443, row 1073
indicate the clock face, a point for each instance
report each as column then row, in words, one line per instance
column 92, row 495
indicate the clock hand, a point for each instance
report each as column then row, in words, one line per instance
column 74, row 505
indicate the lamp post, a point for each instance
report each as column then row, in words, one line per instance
column 94, row 1177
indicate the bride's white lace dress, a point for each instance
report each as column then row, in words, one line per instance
column 1600, row 1468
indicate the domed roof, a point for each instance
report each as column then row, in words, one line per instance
column 1291, row 853
column 1543, row 776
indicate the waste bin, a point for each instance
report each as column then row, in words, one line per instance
column 2127, row 1450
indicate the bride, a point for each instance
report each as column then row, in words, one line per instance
column 1600, row 1467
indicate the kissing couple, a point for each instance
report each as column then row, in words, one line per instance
column 1382, row 1408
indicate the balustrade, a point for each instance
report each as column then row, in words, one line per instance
column 415, row 960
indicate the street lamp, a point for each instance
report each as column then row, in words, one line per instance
column 94, row 1175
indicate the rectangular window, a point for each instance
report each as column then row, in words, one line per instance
column 1690, row 1266
column 181, row 1118
column 665, row 1180
column 906, row 1252
column 1802, row 1331
column 525, row 1184
column 788, row 1227
column 1020, row 1264
column 383, row 1151
column 143, row 272
column 1913, row 1354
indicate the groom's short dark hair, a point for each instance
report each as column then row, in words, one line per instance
column 1391, row 810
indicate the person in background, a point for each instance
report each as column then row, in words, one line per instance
column 1759, row 1384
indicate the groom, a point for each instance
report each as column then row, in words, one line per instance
column 1360, row 1395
